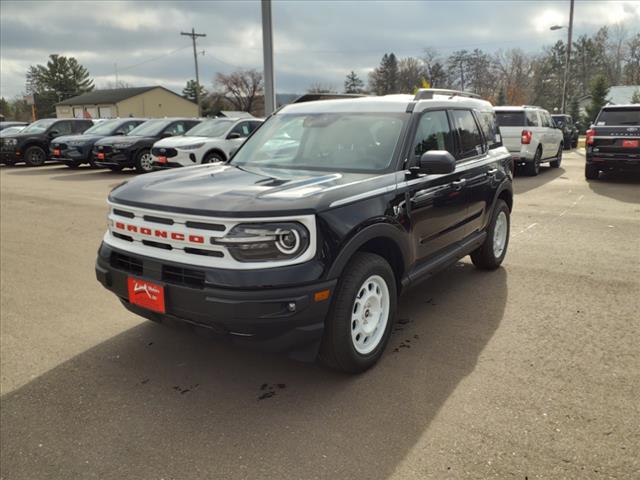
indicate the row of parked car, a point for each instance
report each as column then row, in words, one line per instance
column 143, row 144
column 530, row 133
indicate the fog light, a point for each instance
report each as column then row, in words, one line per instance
column 291, row 307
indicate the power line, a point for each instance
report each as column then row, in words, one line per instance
column 152, row 59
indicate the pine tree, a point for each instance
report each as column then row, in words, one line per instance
column 189, row 91
column 384, row 79
column 61, row 78
column 5, row 109
column 353, row 84
column 599, row 92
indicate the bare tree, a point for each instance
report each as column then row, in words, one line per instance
column 242, row 88
column 319, row 87
column 515, row 71
column 411, row 73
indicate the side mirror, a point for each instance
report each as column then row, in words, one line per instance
column 437, row 162
column 233, row 136
column 53, row 133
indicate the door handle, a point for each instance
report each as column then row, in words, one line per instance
column 459, row 184
column 492, row 172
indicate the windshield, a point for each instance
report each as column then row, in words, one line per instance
column 626, row 116
column 7, row 132
column 39, row 126
column 210, row 128
column 559, row 120
column 510, row 118
column 150, row 128
column 331, row 141
column 104, row 128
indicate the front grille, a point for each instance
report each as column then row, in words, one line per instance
column 162, row 220
column 164, row 152
column 123, row 213
column 183, row 276
column 126, row 263
column 206, row 226
column 103, row 148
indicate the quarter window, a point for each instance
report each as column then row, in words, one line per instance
column 433, row 133
column 471, row 142
column 532, row 118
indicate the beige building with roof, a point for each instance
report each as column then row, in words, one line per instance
column 142, row 102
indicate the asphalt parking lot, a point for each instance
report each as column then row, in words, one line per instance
column 531, row 371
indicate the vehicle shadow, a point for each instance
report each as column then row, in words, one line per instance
column 523, row 184
column 160, row 402
column 94, row 174
column 46, row 169
column 622, row 186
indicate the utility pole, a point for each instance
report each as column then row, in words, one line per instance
column 567, row 66
column 193, row 36
column 267, row 51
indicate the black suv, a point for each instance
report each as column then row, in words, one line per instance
column 134, row 149
column 569, row 130
column 613, row 141
column 74, row 150
column 303, row 241
column 31, row 145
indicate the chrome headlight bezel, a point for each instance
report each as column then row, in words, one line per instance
column 266, row 242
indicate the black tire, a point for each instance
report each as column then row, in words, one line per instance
column 73, row 165
column 115, row 168
column 591, row 172
column 556, row 163
column 574, row 144
column 484, row 257
column 532, row 168
column 35, row 156
column 337, row 349
column 144, row 161
column 213, row 157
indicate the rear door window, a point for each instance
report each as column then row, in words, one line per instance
column 507, row 118
column 620, row 116
column 490, row 129
column 469, row 136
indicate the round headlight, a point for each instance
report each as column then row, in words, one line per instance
column 287, row 241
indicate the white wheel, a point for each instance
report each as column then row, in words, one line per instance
column 500, row 234
column 146, row 162
column 370, row 314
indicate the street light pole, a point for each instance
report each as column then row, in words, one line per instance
column 567, row 66
column 267, row 51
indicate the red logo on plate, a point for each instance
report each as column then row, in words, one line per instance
column 146, row 294
column 101, row 156
column 56, row 152
column 630, row 143
column 162, row 159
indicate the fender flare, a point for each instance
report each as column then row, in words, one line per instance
column 507, row 186
column 377, row 230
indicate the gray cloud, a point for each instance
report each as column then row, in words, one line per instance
column 315, row 41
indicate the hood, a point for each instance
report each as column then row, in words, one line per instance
column 172, row 142
column 227, row 190
column 124, row 139
column 76, row 138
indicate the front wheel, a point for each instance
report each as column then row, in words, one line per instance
column 556, row 163
column 359, row 322
column 212, row 157
column 491, row 253
column 144, row 161
column 35, row 156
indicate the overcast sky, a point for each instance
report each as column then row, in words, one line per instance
column 314, row 41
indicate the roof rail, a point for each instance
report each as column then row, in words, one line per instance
column 531, row 106
column 428, row 93
column 311, row 97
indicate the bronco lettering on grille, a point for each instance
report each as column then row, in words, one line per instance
column 155, row 233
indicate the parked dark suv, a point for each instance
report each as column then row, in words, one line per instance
column 134, row 149
column 613, row 141
column 303, row 241
column 31, row 145
column 74, row 150
column 569, row 130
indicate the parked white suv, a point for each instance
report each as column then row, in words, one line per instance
column 531, row 136
column 209, row 142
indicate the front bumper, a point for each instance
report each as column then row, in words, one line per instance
column 264, row 317
column 180, row 159
column 114, row 158
column 69, row 155
column 10, row 156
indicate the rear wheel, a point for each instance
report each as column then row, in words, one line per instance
column 144, row 161
column 533, row 168
column 491, row 253
column 359, row 322
column 212, row 157
column 35, row 156
column 591, row 172
column 556, row 163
